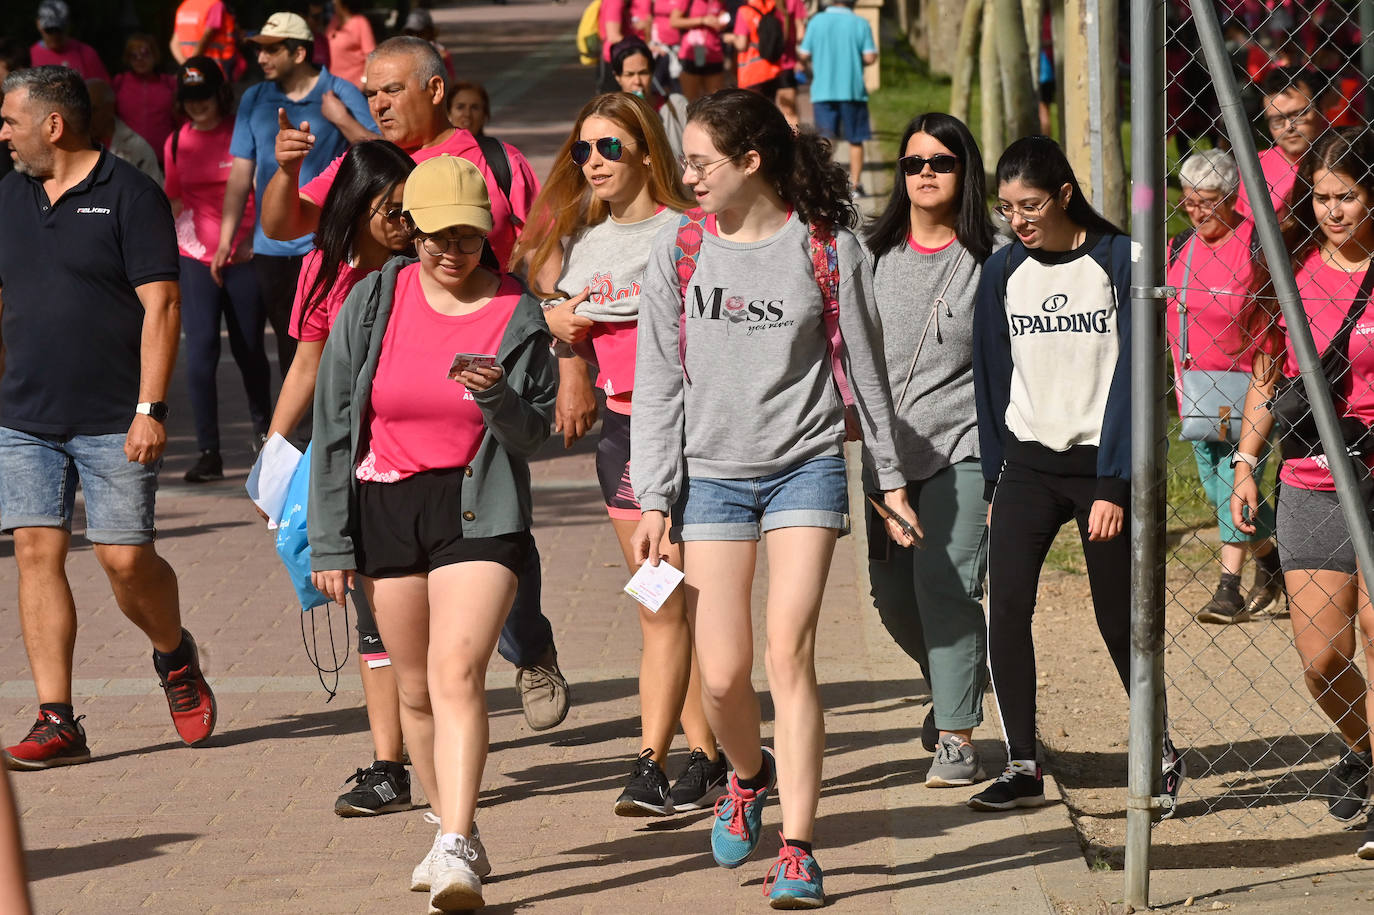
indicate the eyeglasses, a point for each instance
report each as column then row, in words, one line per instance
column 391, row 214
column 610, row 148
column 439, row 245
column 701, row 168
column 1293, row 119
column 942, row 164
column 1031, row 212
column 1200, row 204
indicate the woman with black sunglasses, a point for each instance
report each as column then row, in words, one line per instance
column 613, row 186
column 929, row 247
column 1052, row 369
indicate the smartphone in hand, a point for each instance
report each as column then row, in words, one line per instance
column 888, row 514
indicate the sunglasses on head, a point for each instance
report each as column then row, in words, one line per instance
column 609, row 147
column 943, row 164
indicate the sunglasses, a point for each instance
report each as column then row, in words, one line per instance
column 609, row 147
column 943, row 164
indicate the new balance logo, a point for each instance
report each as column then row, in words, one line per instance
column 386, row 792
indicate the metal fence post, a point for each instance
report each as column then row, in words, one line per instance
column 1285, row 287
column 1148, row 459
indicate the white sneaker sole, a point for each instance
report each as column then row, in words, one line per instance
column 705, row 802
column 1035, row 801
column 457, row 897
column 1366, row 852
column 939, row 781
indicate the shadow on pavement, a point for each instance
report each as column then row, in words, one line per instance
column 56, row 862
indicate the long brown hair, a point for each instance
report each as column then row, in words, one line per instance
column 1348, row 152
column 566, row 202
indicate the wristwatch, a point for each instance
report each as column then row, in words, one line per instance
column 157, row 409
column 1240, row 457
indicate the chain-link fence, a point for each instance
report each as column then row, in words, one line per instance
column 1266, row 204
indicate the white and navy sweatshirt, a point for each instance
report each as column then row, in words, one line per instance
column 1052, row 362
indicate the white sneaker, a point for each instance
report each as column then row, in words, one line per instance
column 420, row 877
column 454, row 882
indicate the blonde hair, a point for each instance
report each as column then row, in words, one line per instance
column 566, row 202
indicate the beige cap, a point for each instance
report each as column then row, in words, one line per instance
column 281, row 26
column 447, row 191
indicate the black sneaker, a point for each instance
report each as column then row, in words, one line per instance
column 700, row 784
column 647, row 793
column 1226, row 606
column 1346, row 786
column 1013, row 788
column 1366, row 850
column 1266, row 599
column 930, row 734
column 383, row 787
column 209, row 466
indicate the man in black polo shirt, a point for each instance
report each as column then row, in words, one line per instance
column 89, row 321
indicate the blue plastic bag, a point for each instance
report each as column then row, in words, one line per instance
column 293, row 544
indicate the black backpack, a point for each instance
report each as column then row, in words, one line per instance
column 772, row 38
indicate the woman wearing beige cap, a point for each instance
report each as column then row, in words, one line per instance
column 436, row 386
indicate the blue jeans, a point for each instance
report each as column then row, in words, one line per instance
column 240, row 304
column 813, row 493
column 39, row 476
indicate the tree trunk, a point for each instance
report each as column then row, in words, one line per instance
column 1079, row 89
column 965, row 57
column 1017, row 77
column 990, row 80
column 937, row 30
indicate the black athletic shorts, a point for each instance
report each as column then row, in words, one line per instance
column 613, row 466
column 415, row 525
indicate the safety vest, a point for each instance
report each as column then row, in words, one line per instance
column 752, row 68
column 190, row 26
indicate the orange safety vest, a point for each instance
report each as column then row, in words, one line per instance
column 752, row 68
column 190, row 26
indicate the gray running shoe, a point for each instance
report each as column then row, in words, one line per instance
column 956, row 764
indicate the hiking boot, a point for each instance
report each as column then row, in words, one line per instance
column 701, row 783
column 646, row 795
column 1226, row 606
column 1015, row 787
column 454, row 884
column 956, row 764
column 189, row 697
column 739, row 817
column 383, row 787
column 1266, row 599
column 794, row 880
column 1346, row 786
column 930, row 734
column 1172, row 771
column 543, row 692
column 208, row 467
column 52, row 741
column 1366, row 850
column 420, row 877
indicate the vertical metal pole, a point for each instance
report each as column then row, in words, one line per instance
column 1285, row 288
column 1092, row 22
column 1148, row 457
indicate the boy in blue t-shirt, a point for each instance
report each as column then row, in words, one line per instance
column 839, row 44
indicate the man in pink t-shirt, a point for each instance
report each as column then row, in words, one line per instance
column 57, row 48
column 405, row 89
column 1294, row 115
column 405, row 80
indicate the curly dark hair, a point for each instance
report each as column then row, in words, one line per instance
column 798, row 165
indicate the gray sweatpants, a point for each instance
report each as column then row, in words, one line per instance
column 930, row 599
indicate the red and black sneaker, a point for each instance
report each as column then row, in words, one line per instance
column 189, row 697
column 52, row 741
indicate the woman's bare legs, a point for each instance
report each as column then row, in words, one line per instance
column 1322, row 605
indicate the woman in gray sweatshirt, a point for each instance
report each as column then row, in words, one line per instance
column 929, row 246
column 739, row 431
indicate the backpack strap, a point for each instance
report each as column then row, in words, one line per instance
column 825, row 264
column 498, row 160
column 691, row 229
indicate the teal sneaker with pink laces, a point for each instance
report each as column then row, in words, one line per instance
column 794, row 880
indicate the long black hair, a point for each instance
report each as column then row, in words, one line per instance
column 1040, row 163
column 798, row 165
column 972, row 224
column 369, row 170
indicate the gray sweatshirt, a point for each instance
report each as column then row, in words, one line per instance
column 937, row 423
column 761, row 397
column 609, row 258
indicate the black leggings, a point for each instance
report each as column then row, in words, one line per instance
column 1028, row 508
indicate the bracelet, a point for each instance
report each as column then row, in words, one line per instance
column 1250, row 460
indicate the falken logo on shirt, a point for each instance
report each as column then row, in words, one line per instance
column 760, row 314
column 103, row 211
column 1092, row 322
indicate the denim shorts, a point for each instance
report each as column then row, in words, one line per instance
column 39, row 475
column 811, row 494
column 846, row 120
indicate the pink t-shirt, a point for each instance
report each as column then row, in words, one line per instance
column 315, row 325
column 796, row 13
column 1279, row 174
column 78, row 55
column 460, row 143
column 624, row 12
column 1326, row 296
column 1218, row 288
column 198, row 175
column 658, row 12
column 349, row 44
column 700, row 37
column 145, row 104
column 418, row 419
